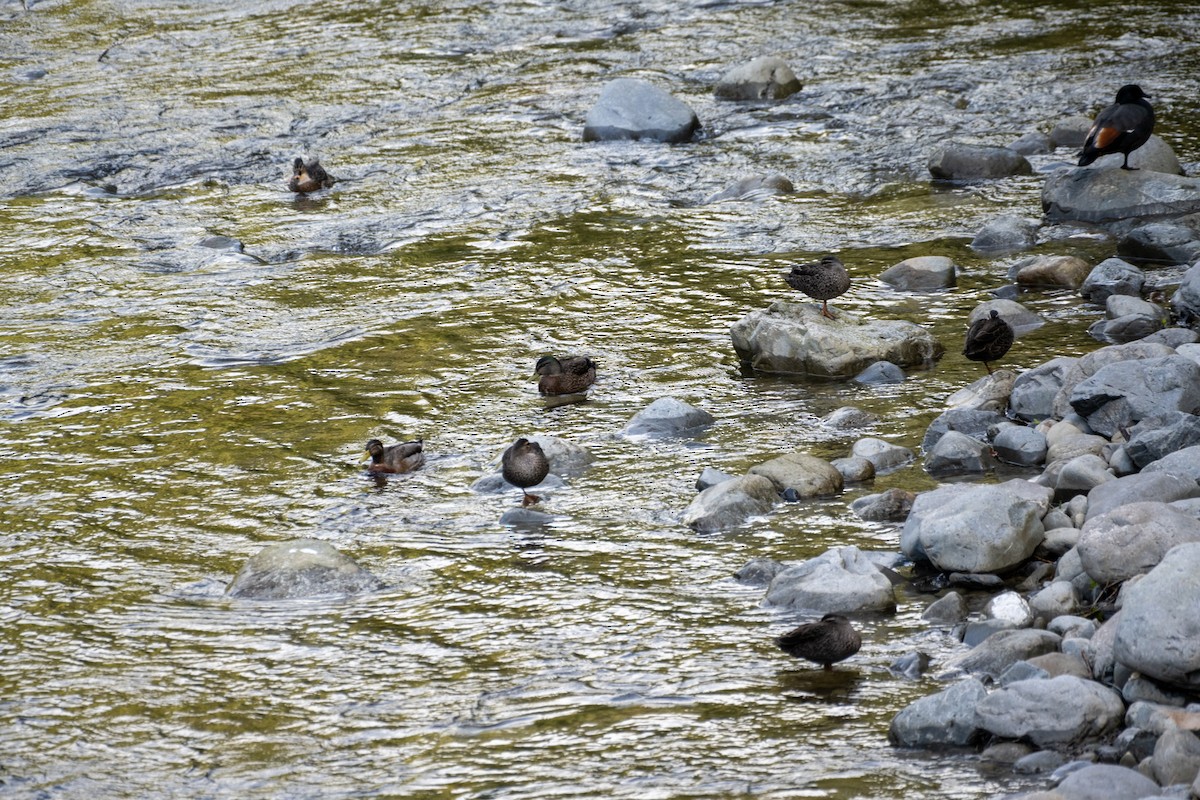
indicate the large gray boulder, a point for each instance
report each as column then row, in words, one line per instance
column 300, row 568
column 1122, row 393
column 1155, row 155
column 805, row 475
column 989, row 528
column 1176, row 757
column 1055, row 712
column 1158, row 630
column 1033, row 392
column 795, row 338
column 634, row 109
column 839, row 580
column 920, row 274
column 1133, row 539
column 956, row 161
column 1156, row 439
column 1007, row 233
column 995, row 654
column 1106, row 782
column 1018, row 317
column 958, row 454
column 1112, row 277
column 989, row 393
column 730, row 503
column 1186, row 300
column 1096, row 360
column 883, row 455
column 1169, row 241
column 667, row 417
column 1145, row 486
column 1108, row 195
column 764, row 78
column 1184, row 462
column 944, row 719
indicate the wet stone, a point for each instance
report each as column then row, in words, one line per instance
column 633, row 109
column 921, row 274
column 1005, row 234
column 764, row 78
column 1051, row 271
column 1112, row 277
column 300, row 568
column 956, row 161
column 892, row 505
column 1108, row 195
column 881, row 372
column 755, row 188
column 854, row 469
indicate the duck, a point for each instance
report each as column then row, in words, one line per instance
column 826, row 642
column 396, row 459
column 1123, row 127
column 821, row 280
column 523, row 465
column 988, row 339
column 571, row 375
column 309, row 177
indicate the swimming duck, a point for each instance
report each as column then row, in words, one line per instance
column 822, row 280
column 988, row 339
column 395, row 459
column 309, row 177
column 826, row 642
column 1121, row 128
column 568, row 376
column 524, row 465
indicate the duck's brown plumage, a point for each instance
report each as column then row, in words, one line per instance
column 524, row 464
column 826, row 642
column 1123, row 127
column 565, row 376
column 821, row 280
column 309, row 177
column 988, row 339
column 395, row 459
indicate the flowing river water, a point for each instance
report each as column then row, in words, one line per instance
column 191, row 360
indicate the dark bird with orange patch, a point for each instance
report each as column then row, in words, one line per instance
column 1123, row 127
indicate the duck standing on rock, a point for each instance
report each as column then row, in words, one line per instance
column 1123, row 127
column 821, row 280
column 988, row 339
column 524, row 465
column 309, row 177
column 826, row 642
column 567, row 376
column 395, row 459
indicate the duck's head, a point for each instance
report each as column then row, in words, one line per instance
column 1130, row 93
column 298, row 166
column 374, row 449
column 547, row 365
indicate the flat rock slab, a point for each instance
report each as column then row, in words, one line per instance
column 1108, row 195
column 793, row 338
column 634, row 109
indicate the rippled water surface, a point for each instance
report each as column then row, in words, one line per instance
column 191, row 360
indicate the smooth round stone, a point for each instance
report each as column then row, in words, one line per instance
column 881, row 372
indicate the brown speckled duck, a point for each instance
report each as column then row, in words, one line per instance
column 524, row 465
column 826, row 642
column 988, row 339
column 395, row 459
column 822, row 280
column 309, row 177
column 566, row 376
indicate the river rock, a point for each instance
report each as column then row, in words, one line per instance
column 666, row 417
column 1174, row 241
column 1133, row 539
column 1176, row 757
column 1186, row 300
column 1156, row 632
column 525, row 518
column 892, row 505
column 885, row 456
column 1018, row 317
column 854, row 469
column 951, row 609
column 1149, row 486
column 1122, row 393
column 1155, row 155
column 1076, row 476
column 1156, row 441
column 711, row 476
column 1055, row 712
column 1106, row 782
column 944, row 719
column 1034, row 143
column 958, row 454
column 1120, row 305
column 956, row 161
column 987, row 528
column 880, row 373
column 754, row 188
column 795, row 338
column 1002, row 649
column 1034, row 390
column 1051, row 271
column 494, row 483
column 1108, row 195
column 972, row 422
column 1094, row 361
column 634, row 109
column 759, row 572
column 1179, row 338
column 764, row 78
column 805, row 475
column 839, row 580
column 730, row 503
column 1054, row 601
column 921, row 274
column 848, row 417
column 1112, row 277
column 1129, row 328
column 300, row 568
column 1008, row 233
column 989, row 393
column 1071, row 131
column 567, row 459
column 1016, row 444
column 1066, row 448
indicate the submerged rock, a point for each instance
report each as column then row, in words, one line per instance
column 892, row 505
column 921, row 274
column 805, row 475
column 1112, row 277
column 667, row 417
column 1008, row 233
column 764, row 78
column 795, row 338
column 755, row 188
column 1068, row 271
column 300, row 568
column 634, row 109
